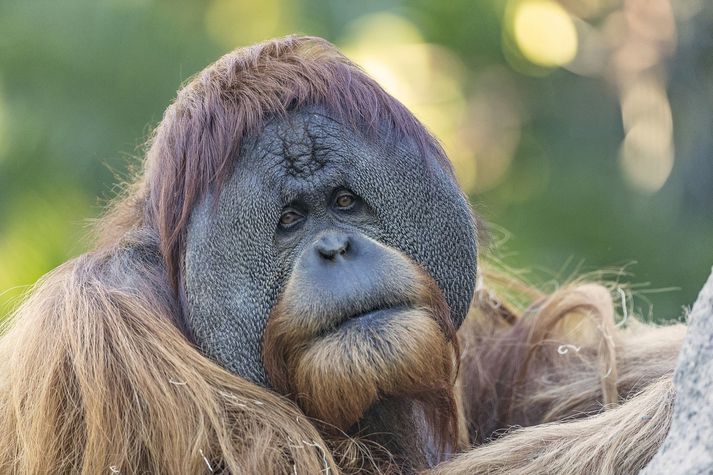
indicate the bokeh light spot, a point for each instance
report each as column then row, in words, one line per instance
column 646, row 157
column 544, row 32
column 647, row 154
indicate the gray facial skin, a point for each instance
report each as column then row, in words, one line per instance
column 239, row 257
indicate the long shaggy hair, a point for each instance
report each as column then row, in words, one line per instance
column 621, row 440
column 97, row 375
column 562, row 356
column 598, row 394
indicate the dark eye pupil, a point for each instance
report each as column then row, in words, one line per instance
column 345, row 201
column 289, row 218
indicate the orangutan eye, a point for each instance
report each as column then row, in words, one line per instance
column 345, row 200
column 289, row 218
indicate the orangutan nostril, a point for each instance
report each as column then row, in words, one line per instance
column 332, row 245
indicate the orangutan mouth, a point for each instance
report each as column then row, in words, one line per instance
column 370, row 319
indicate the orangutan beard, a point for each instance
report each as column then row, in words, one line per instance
column 341, row 371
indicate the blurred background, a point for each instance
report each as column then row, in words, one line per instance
column 581, row 129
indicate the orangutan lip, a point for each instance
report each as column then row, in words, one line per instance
column 371, row 316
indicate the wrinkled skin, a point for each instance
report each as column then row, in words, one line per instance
column 239, row 258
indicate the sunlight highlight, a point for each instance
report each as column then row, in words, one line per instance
column 544, row 32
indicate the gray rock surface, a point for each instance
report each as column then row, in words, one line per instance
column 688, row 448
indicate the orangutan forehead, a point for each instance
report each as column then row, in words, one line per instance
column 304, row 149
column 305, row 141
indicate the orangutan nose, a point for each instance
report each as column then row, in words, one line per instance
column 331, row 245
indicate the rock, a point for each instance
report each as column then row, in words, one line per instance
column 688, row 448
